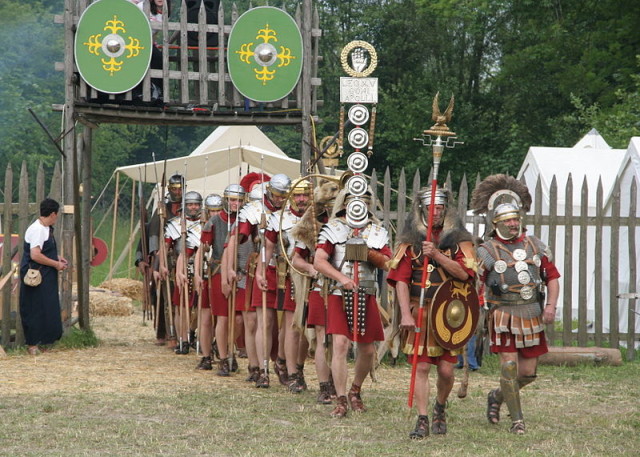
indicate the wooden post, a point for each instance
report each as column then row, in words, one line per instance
column 614, row 330
column 597, row 287
column 633, row 274
column 24, row 218
column 583, row 274
column 7, row 220
column 553, row 217
column 69, row 150
column 307, row 134
column 85, row 211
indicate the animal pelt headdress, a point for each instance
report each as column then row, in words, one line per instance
column 495, row 190
column 415, row 230
column 307, row 229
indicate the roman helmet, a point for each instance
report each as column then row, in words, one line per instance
column 213, row 202
column 301, row 187
column 500, row 198
column 278, row 186
column 232, row 191
column 175, row 184
column 193, row 197
column 424, row 200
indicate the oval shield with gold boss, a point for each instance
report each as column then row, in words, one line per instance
column 453, row 316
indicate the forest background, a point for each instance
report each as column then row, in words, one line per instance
column 524, row 73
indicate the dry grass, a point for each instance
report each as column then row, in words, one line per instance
column 129, row 397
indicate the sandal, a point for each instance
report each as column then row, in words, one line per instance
column 280, row 368
column 340, row 410
column 421, row 430
column 517, row 427
column 355, row 401
column 493, row 407
column 439, row 419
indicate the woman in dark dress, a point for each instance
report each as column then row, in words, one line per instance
column 40, row 305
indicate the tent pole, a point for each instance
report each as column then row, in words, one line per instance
column 113, row 226
column 133, row 202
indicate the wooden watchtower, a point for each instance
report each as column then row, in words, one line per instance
column 196, row 91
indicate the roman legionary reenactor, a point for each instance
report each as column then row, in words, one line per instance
column 349, row 257
column 203, row 271
column 280, row 243
column 516, row 270
column 214, row 235
column 451, row 273
column 172, row 205
column 187, row 227
column 306, row 234
column 252, row 222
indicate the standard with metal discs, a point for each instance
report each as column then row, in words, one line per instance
column 357, row 162
column 358, row 138
column 358, row 114
column 357, row 185
column 500, row 266
column 357, row 213
column 519, row 254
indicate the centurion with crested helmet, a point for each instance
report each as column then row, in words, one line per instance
column 517, row 270
column 450, row 299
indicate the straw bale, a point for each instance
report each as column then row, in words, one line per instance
column 127, row 287
column 108, row 303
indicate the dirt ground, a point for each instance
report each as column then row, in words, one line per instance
column 127, row 360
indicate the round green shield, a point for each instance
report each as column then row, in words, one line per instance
column 265, row 54
column 113, row 46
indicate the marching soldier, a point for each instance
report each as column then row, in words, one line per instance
column 212, row 206
column 252, row 220
column 214, row 235
column 183, row 294
column 306, row 234
column 517, row 268
column 451, row 255
column 278, row 236
column 349, row 257
column 172, row 204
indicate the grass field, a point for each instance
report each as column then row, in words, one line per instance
column 128, row 397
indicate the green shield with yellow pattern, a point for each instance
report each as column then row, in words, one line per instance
column 113, row 46
column 265, row 54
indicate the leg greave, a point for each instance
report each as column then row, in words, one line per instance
column 510, row 389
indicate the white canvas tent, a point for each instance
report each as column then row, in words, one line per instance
column 591, row 159
column 218, row 158
column 629, row 170
column 227, row 153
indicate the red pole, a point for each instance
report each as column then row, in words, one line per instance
column 423, row 281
